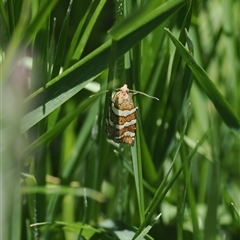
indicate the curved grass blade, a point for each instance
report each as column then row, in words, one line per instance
column 206, row 84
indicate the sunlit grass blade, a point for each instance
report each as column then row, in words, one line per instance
column 145, row 19
column 41, row 112
column 63, row 190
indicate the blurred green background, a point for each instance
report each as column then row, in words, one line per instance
column 60, row 176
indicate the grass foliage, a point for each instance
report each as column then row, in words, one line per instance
column 61, row 178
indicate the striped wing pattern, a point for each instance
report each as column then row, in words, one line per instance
column 121, row 118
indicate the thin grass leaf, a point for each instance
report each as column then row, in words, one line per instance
column 149, row 169
column 129, row 167
column 63, row 190
column 137, row 169
column 163, row 188
column 60, row 48
column 5, row 23
column 236, row 211
column 30, row 181
column 80, row 145
column 91, row 21
column 38, row 21
column 16, row 211
column 77, row 35
column 147, row 229
column 11, row 16
column 57, row 129
column 210, row 232
column 206, row 84
column 158, row 197
column 136, row 149
column 14, row 46
column 192, row 202
column 51, row 49
column 180, row 214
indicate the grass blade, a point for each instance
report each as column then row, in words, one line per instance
column 206, row 84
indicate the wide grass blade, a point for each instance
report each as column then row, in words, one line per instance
column 144, row 20
column 41, row 112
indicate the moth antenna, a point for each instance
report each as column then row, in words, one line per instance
column 135, row 92
column 99, row 93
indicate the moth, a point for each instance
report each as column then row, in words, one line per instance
column 121, row 118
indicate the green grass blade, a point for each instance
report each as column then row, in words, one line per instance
column 91, row 22
column 38, row 21
column 206, row 84
column 136, row 149
column 145, row 20
column 5, row 23
column 57, row 128
column 60, row 48
column 41, row 112
column 80, row 145
column 210, row 229
column 161, row 191
column 30, row 181
column 76, row 37
column 137, row 169
column 192, row 202
column 149, row 169
column 11, row 15
column 62, row 190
